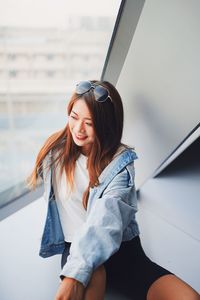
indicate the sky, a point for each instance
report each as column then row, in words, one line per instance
column 45, row 13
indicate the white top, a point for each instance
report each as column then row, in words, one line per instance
column 71, row 211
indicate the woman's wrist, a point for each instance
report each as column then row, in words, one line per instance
column 75, row 281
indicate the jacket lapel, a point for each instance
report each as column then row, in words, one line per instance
column 122, row 160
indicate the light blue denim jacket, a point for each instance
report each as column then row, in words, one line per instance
column 110, row 220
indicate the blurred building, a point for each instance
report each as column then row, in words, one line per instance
column 39, row 68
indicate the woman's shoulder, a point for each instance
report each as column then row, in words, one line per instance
column 119, row 165
column 121, row 149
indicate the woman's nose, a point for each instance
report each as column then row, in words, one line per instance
column 80, row 127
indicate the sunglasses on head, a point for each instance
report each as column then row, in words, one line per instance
column 101, row 94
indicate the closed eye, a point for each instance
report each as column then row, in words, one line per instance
column 89, row 124
column 73, row 117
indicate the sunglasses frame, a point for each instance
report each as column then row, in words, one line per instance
column 93, row 86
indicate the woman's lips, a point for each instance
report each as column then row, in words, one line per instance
column 81, row 138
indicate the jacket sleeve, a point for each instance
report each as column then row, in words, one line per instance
column 101, row 235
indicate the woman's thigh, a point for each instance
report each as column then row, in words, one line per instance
column 131, row 272
column 95, row 289
column 170, row 287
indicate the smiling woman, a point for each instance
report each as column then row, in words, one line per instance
column 81, row 130
column 94, row 227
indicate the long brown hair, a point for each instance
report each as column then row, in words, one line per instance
column 107, row 119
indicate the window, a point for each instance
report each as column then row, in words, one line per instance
column 42, row 58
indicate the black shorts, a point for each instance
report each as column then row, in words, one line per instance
column 129, row 271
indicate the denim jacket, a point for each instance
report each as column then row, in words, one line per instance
column 110, row 220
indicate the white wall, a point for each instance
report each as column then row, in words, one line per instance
column 159, row 81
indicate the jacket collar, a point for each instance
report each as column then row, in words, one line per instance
column 116, row 165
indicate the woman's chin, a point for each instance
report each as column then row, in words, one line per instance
column 79, row 142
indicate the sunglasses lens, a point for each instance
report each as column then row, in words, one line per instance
column 83, row 87
column 100, row 93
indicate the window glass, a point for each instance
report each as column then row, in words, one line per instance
column 46, row 47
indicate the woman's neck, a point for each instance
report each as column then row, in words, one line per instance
column 85, row 150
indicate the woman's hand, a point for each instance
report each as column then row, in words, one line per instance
column 70, row 289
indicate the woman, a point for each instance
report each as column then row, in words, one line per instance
column 90, row 173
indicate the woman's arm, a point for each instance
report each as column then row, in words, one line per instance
column 70, row 289
column 101, row 235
